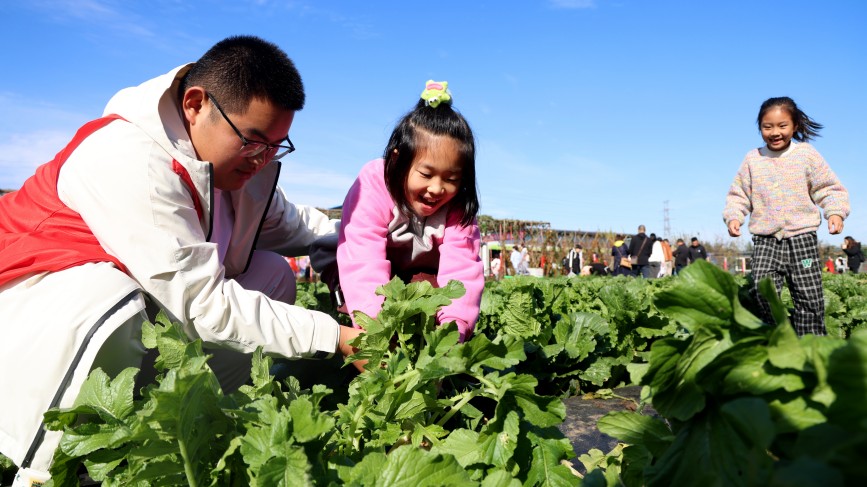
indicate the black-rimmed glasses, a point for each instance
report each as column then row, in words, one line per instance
column 252, row 148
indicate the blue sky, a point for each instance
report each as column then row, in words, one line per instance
column 589, row 114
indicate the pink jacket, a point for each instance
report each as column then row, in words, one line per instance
column 376, row 243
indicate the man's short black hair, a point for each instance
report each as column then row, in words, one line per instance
column 240, row 68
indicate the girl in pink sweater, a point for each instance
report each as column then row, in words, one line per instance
column 779, row 186
column 413, row 213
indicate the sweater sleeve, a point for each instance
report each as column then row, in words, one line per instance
column 825, row 188
column 739, row 197
column 361, row 246
column 460, row 261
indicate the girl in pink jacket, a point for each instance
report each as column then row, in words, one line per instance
column 412, row 213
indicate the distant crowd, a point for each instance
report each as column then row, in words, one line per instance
column 639, row 255
column 647, row 256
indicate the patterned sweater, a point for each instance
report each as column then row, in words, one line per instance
column 780, row 191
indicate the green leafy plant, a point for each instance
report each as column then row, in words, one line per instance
column 428, row 409
column 743, row 402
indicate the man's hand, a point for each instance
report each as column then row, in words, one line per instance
column 347, row 333
column 734, row 228
column 835, row 224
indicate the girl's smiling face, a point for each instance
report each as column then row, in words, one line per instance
column 435, row 176
column 777, row 128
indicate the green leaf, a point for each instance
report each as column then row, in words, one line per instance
column 287, row 467
column 260, row 370
column 711, row 449
column 463, row 445
column 500, row 478
column 751, row 419
column 778, row 309
column 308, row 423
column 795, row 414
column 745, row 368
column 498, row 445
column 682, row 397
column 410, row 467
column 784, row 349
column 847, row 376
column 90, row 438
column 480, row 352
column 702, row 296
column 111, row 399
column 807, row 472
column 519, row 316
column 546, row 467
column 637, row 429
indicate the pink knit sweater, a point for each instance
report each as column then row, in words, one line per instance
column 376, row 242
column 780, row 191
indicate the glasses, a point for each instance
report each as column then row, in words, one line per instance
column 252, row 148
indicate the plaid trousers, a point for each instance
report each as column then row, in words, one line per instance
column 796, row 260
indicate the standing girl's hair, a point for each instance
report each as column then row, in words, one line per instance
column 432, row 115
column 805, row 127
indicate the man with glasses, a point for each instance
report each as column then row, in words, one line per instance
column 170, row 201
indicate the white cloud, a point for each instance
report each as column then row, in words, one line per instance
column 21, row 154
column 306, row 185
column 572, row 4
column 106, row 14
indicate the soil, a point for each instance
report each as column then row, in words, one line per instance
column 582, row 414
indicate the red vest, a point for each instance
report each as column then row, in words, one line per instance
column 38, row 232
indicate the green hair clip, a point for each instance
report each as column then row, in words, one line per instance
column 436, row 92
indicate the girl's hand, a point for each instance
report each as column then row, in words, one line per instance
column 347, row 333
column 735, row 228
column 835, row 224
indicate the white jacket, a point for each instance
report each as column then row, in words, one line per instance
column 122, row 181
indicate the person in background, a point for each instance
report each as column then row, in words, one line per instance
column 618, row 253
column 840, row 265
column 829, row 266
column 656, row 259
column 515, row 258
column 696, row 250
column 667, row 262
column 780, row 185
column 496, row 264
column 854, row 256
column 640, row 248
column 171, row 196
column 524, row 265
column 574, row 260
column 412, row 213
column 681, row 256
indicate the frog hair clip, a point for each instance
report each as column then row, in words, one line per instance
column 436, row 92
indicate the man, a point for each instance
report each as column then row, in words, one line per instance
column 574, row 261
column 172, row 197
column 516, row 258
column 639, row 250
column 681, row 256
column 696, row 251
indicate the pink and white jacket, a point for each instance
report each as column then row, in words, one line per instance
column 377, row 242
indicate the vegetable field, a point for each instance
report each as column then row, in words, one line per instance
column 740, row 402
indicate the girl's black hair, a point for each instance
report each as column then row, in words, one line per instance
column 405, row 142
column 806, row 128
